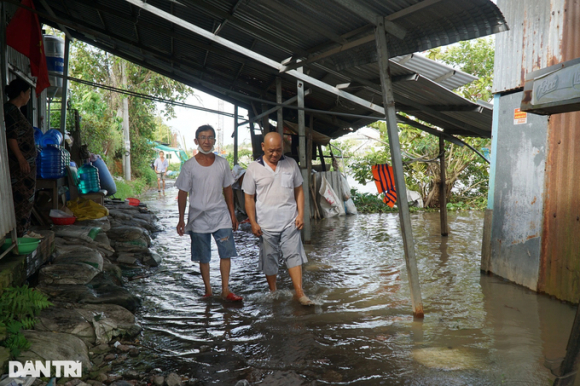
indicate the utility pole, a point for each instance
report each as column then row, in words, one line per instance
column 126, row 133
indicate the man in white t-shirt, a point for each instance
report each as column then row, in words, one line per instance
column 161, row 164
column 277, row 213
column 207, row 180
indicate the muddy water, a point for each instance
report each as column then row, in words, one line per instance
column 477, row 330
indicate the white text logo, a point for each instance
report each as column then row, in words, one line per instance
column 67, row 369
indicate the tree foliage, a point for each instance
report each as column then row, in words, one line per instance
column 475, row 57
column 101, row 125
column 466, row 172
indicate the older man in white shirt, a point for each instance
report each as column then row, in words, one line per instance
column 207, row 179
column 277, row 213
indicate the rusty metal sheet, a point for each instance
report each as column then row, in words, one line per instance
column 560, row 256
column 532, row 43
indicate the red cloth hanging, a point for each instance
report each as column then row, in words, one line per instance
column 24, row 35
column 385, row 181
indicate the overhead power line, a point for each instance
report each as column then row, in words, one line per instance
column 152, row 98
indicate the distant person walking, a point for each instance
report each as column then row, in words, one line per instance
column 207, row 180
column 277, row 214
column 161, row 164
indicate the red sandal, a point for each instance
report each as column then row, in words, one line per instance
column 232, row 297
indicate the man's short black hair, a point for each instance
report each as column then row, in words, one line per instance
column 204, row 128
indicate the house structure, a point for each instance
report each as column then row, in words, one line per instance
column 327, row 64
column 532, row 221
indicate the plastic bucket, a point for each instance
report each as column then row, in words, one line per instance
column 133, row 201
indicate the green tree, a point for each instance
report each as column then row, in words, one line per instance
column 101, row 127
column 475, row 57
column 466, row 172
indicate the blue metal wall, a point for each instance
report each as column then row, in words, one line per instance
column 518, row 193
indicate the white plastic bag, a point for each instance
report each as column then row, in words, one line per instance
column 350, row 207
column 329, row 202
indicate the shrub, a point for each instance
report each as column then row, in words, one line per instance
column 19, row 307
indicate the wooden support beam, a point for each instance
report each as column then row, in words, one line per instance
column 443, row 190
column 395, row 147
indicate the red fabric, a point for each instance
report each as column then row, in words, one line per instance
column 24, row 35
column 385, row 181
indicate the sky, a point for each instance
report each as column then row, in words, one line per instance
column 188, row 120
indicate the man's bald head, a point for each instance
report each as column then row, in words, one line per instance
column 272, row 147
column 273, row 136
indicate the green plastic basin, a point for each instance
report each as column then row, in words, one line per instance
column 25, row 245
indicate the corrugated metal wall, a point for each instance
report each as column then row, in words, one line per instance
column 518, row 194
column 7, row 219
column 532, row 43
column 560, row 268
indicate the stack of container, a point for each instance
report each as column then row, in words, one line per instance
column 52, row 159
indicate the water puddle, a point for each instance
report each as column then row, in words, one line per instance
column 477, row 329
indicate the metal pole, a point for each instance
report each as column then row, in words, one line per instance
column 303, row 163
column 4, row 64
column 393, row 132
column 64, row 97
column 280, row 112
column 235, row 134
column 443, row 190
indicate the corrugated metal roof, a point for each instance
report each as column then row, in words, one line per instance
column 294, row 29
column 437, row 72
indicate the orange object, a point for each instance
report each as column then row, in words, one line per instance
column 385, row 181
column 133, row 201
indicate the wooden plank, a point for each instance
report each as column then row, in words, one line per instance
column 443, row 190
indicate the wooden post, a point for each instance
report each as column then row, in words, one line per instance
column 302, row 157
column 321, row 157
column 443, row 189
column 280, row 112
column 265, row 120
column 235, row 134
column 75, row 154
column 395, row 146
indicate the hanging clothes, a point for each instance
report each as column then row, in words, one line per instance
column 385, row 181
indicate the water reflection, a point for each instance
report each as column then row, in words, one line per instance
column 477, row 330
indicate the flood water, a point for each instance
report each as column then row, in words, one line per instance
column 477, row 330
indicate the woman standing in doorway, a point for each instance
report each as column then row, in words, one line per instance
column 21, row 154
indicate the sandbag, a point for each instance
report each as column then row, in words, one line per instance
column 329, row 202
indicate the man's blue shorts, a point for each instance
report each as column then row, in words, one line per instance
column 201, row 245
